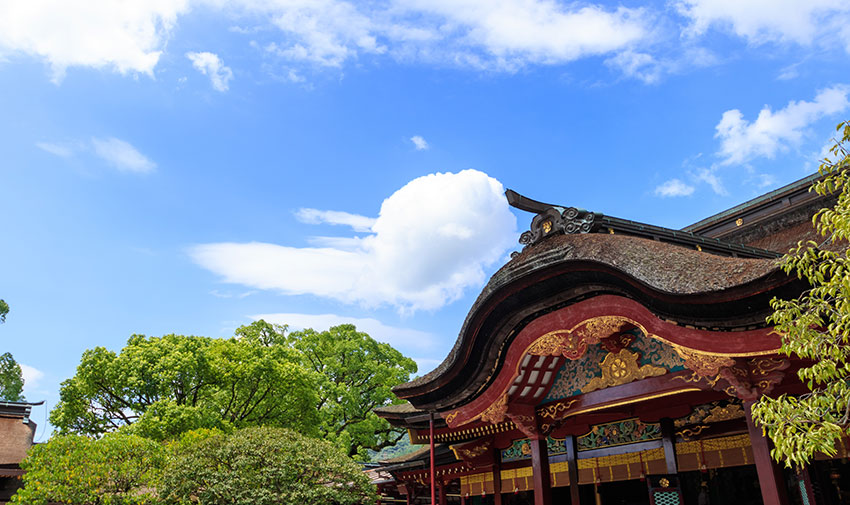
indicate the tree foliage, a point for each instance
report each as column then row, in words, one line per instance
column 251, row 466
column 262, row 466
column 816, row 326
column 117, row 469
column 4, row 309
column 355, row 375
column 11, row 379
column 160, row 387
column 322, row 384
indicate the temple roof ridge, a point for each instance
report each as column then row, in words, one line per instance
column 551, row 220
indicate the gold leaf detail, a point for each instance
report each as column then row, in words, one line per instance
column 707, row 365
column 495, row 413
column 553, row 410
column 621, row 368
column 726, row 413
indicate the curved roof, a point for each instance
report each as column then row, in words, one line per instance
column 674, row 282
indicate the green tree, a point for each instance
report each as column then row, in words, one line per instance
column 159, row 387
column 117, row 469
column 355, row 374
column 11, row 379
column 816, row 326
column 11, row 375
column 262, row 466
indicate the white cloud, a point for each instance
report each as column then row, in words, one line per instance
column 709, row 176
column 637, row 65
column 772, row 132
column 760, row 21
column 674, row 187
column 381, row 332
column 61, row 150
column 432, row 240
column 32, row 381
column 116, row 152
column 129, row 37
column 126, row 36
column 211, row 65
column 315, row 216
column 419, row 143
column 518, row 32
column 122, row 155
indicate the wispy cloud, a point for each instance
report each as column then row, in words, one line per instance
column 772, row 132
column 211, row 65
column 674, row 187
column 334, row 217
column 117, row 153
column 480, row 34
column 419, row 143
column 432, row 240
column 762, row 21
column 61, row 150
column 32, row 382
column 122, row 155
column 710, row 177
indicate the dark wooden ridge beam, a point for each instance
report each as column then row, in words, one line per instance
column 577, row 221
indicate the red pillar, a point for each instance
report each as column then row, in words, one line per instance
column 540, row 471
column 668, row 441
column 431, row 437
column 442, row 493
column 770, row 476
column 497, row 478
column 572, row 469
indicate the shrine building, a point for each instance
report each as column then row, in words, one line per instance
column 612, row 362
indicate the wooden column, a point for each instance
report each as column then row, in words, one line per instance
column 572, row 469
column 771, row 481
column 668, row 440
column 442, row 493
column 497, row 478
column 431, row 438
column 540, row 471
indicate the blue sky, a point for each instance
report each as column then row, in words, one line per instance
column 186, row 166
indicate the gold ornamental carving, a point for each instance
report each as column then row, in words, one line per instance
column 451, row 417
column 621, row 368
column 573, row 344
column 495, row 413
column 706, row 365
column 476, row 451
column 731, row 411
column 602, row 327
column 554, row 410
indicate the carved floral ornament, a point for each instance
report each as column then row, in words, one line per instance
column 621, row 368
column 745, row 376
column 573, row 343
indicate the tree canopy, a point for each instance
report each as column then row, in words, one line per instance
column 118, row 469
column 816, row 326
column 323, row 384
column 262, row 466
column 4, row 309
column 11, row 379
column 355, row 375
column 160, row 387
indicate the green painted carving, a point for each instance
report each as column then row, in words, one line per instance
column 629, row 431
column 521, row 449
column 574, row 376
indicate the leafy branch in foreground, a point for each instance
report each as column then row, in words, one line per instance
column 816, row 327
